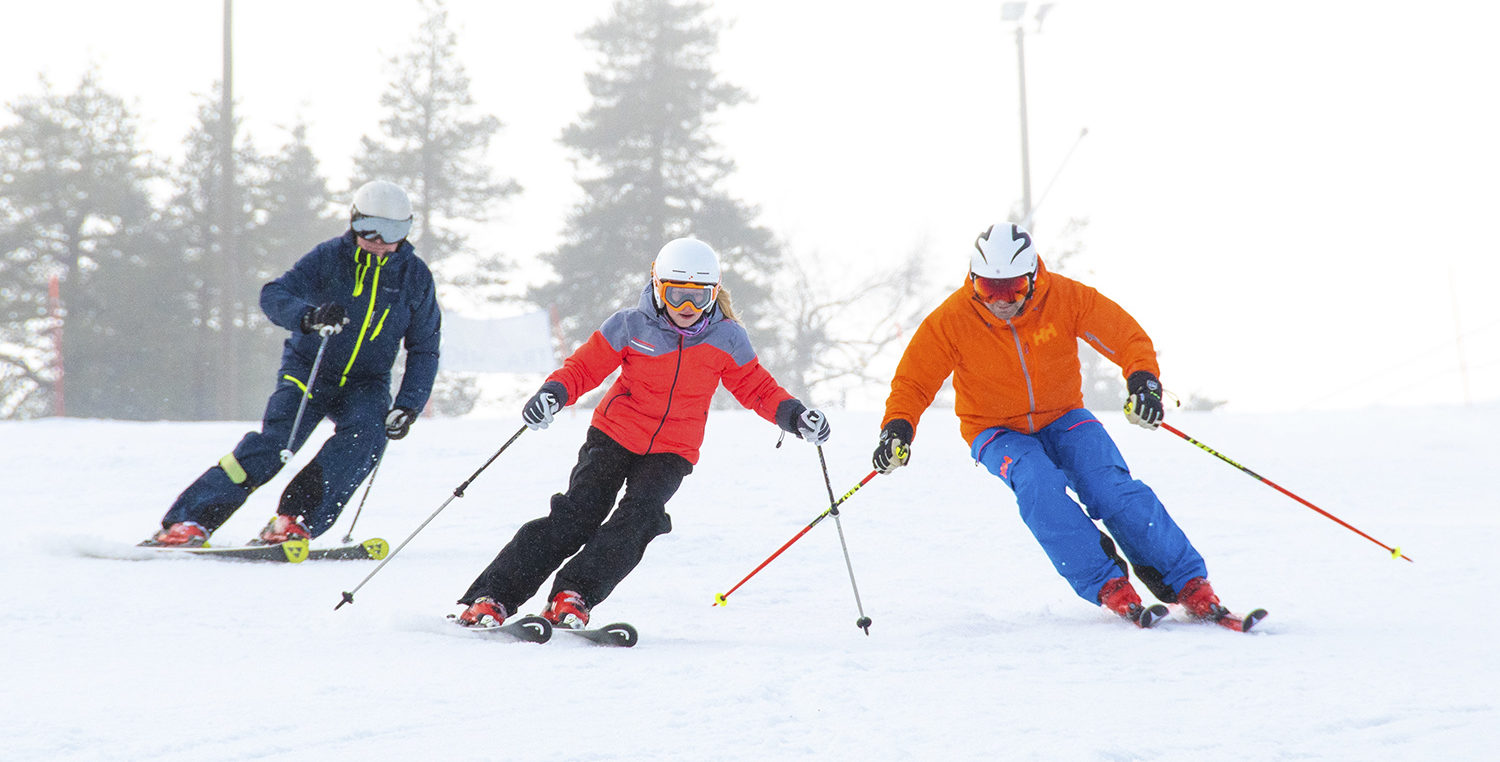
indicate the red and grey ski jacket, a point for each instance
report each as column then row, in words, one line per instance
column 667, row 379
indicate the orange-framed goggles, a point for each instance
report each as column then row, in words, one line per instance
column 991, row 290
column 676, row 295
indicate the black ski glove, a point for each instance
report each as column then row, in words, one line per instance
column 544, row 405
column 1143, row 403
column 398, row 422
column 329, row 317
column 894, row 449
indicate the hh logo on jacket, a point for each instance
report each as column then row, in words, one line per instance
column 1044, row 334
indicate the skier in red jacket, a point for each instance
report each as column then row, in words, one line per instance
column 673, row 349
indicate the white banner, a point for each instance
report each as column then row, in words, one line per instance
column 520, row 344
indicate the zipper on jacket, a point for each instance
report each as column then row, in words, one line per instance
column 381, row 324
column 612, row 400
column 359, row 284
column 1026, row 374
column 676, row 373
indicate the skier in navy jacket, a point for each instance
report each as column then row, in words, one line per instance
column 365, row 293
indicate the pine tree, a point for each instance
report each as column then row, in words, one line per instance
column 656, row 172
column 293, row 206
column 291, row 211
column 73, row 205
column 228, row 266
column 435, row 147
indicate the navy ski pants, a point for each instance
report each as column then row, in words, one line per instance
column 1075, row 451
column 606, row 551
column 320, row 490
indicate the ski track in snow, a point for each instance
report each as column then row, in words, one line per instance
column 977, row 649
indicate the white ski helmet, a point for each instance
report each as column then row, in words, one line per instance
column 1003, row 251
column 381, row 209
column 686, row 260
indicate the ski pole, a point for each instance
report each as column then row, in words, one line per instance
column 1395, row 552
column 720, row 598
column 286, row 452
column 349, row 536
column 457, row 492
column 863, row 622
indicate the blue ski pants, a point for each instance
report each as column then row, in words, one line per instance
column 1075, row 451
column 320, row 490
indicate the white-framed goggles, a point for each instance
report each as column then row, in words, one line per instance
column 676, row 294
column 384, row 229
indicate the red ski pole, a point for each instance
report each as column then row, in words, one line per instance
column 1395, row 552
column 719, row 599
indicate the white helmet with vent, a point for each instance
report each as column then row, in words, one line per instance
column 381, row 210
column 686, row 260
column 1003, row 251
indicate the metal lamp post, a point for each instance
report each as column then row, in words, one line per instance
column 1015, row 13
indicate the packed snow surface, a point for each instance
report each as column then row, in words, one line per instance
column 978, row 650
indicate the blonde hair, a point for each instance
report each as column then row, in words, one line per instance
column 726, row 307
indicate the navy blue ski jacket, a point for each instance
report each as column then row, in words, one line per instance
column 389, row 300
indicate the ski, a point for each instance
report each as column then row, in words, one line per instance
column 528, row 629
column 372, row 549
column 1150, row 616
column 1240, row 622
column 291, row 551
column 618, row 634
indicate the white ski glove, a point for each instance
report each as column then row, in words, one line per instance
column 813, row 426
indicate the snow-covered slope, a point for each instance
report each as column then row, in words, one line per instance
column 977, row 651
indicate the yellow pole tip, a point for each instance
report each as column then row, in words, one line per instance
column 1396, row 552
column 719, row 600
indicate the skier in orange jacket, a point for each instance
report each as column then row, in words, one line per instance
column 1008, row 336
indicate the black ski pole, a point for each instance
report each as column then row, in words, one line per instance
column 833, row 506
column 457, row 492
column 312, row 376
column 349, row 536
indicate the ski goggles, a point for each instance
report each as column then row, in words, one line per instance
column 991, row 290
column 384, row 229
column 677, row 295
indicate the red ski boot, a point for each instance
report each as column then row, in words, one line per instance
column 567, row 609
column 1199, row 601
column 281, row 529
column 483, row 612
column 183, row 534
column 1118, row 596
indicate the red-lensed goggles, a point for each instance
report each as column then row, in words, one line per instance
column 677, row 295
column 991, row 290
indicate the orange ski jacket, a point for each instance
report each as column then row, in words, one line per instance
column 1023, row 373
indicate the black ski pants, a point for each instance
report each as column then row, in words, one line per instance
column 609, row 549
